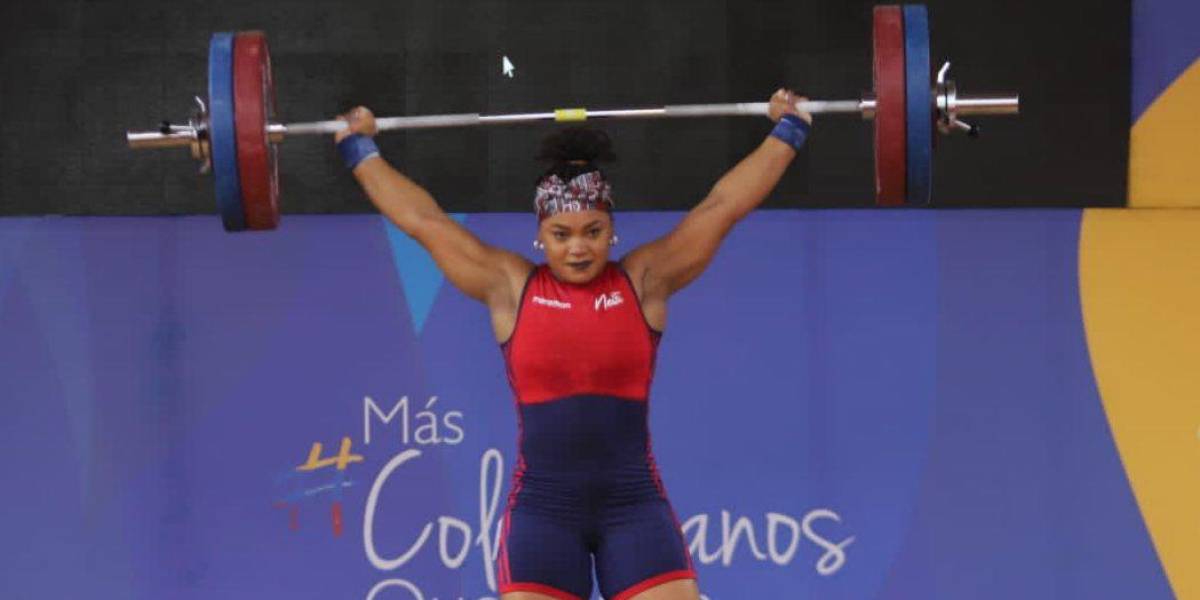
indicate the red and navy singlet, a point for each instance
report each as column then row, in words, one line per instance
column 585, row 487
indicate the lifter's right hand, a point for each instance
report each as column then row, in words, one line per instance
column 361, row 120
column 783, row 102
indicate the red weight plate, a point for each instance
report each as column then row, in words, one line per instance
column 254, row 108
column 890, row 108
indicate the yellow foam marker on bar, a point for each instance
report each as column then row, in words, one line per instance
column 570, row 114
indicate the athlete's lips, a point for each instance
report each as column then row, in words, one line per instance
column 580, row 266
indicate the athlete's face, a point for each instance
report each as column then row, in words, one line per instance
column 577, row 244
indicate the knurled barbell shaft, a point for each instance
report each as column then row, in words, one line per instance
column 157, row 139
column 575, row 114
column 998, row 104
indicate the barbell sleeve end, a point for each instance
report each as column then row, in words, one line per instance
column 1003, row 103
column 139, row 140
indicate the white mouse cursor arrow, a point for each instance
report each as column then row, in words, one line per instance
column 507, row 68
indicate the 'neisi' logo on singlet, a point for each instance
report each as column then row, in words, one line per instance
column 609, row 300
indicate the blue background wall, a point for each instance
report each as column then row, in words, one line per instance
column 865, row 404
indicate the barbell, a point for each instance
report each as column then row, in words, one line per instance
column 234, row 134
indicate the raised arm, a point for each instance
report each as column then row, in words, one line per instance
column 481, row 271
column 664, row 266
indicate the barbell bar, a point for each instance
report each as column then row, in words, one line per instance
column 234, row 135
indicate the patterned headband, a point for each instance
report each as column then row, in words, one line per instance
column 588, row 191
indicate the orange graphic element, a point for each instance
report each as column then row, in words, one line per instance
column 298, row 476
column 1139, row 283
column 343, row 458
column 1162, row 147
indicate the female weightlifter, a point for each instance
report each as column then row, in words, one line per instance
column 579, row 334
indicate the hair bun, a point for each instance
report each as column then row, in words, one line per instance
column 577, row 144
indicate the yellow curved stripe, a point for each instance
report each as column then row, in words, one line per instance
column 1139, row 283
column 1164, row 147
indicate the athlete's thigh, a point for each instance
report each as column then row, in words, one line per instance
column 526, row 596
column 544, row 557
column 641, row 548
column 680, row 589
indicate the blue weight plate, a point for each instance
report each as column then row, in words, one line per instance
column 222, row 132
column 920, row 105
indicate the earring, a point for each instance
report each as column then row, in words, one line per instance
column 613, row 240
column 539, row 245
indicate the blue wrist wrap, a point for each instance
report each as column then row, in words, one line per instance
column 356, row 149
column 792, row 130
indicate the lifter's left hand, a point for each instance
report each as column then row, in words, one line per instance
column 359, row 120
column 784, row 103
